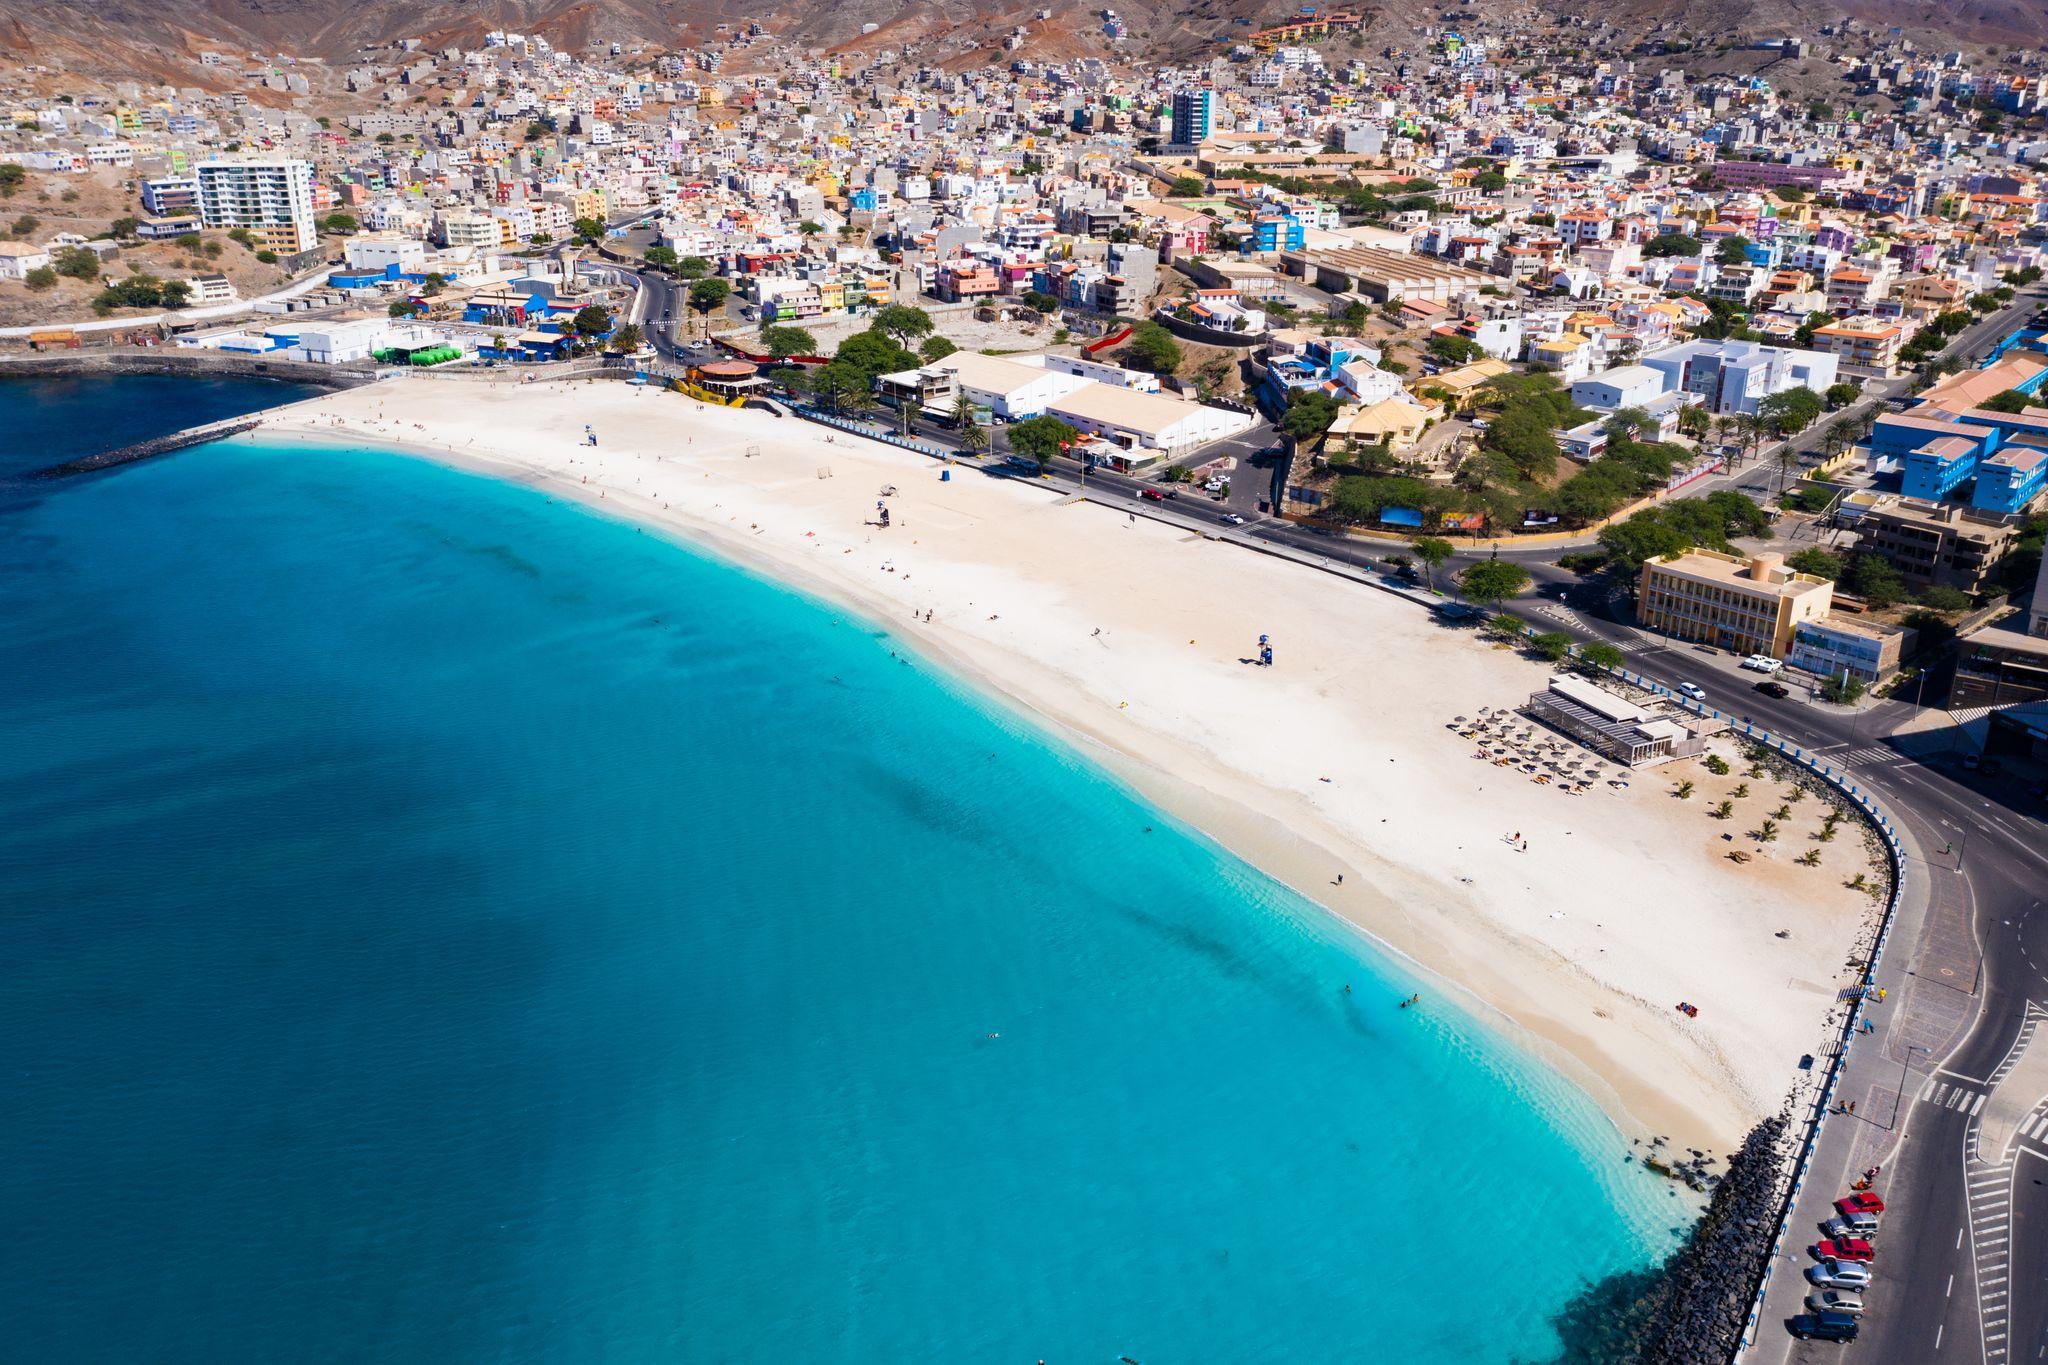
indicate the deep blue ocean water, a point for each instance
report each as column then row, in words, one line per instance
column 441, row 924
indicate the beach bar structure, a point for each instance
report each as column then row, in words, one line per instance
column 1612, row 725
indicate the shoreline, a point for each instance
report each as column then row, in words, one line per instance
column 1650, row 1076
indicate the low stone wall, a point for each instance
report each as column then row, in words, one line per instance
column 166, row 360
column 1208, row 336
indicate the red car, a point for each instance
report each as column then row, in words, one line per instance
column 1861, row 1202
column 1846, row 1249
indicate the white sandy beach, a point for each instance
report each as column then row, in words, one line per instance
column 1131, row 635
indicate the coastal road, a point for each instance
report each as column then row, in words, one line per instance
column 1963, row 1268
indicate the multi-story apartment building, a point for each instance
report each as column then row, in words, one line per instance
column 270, row 198
column 1194, row 116
column 1937, row 542
column 1752, row 606
column 1735, row 376
column 170, row 196
column 1864, row 346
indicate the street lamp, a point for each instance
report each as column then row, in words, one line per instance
column 1905, row 1069
column 1963, row 833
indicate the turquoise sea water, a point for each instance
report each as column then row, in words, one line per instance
column 441, row 924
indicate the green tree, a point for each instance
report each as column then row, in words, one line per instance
column 1816, row 561
column 123, row 229
column 1186, row 187
column 1309, row 414
column 1455, row 350
column 1492, row 580
column 902, row 323
column 693, row 267
column 1793, row 410
column 2012, row 400
column 627, row 339
column 1432, row 551
column 399, row 308
column 1153, row 348
column 1873, row 578
column 788, row 341
column 660, row 255
column 973, row 438
column 76, row 263
column 936, row 348
column 1841, row 393
column 24, row 225
column 1601, row 655
column 591, row 321
column 1552, row 646
column 872, row 353
column 1671, row 244
column 1942, row 597
column 40, row 279
column 11, row 178
column 1040, row 438
column 589, row 229
column 1040, row 302
column 1732, row 250
column 340, row 222
column 707, row 294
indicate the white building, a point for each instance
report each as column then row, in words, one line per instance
column 1624, row 386
column 1145, row 421
column 1009, row 390
column 270, row 198
column 376, row 251
column 18, row 258
column 1735, row 376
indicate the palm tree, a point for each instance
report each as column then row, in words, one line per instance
column 1767, row 831
column 859, row 401
column 1724, row 810
column 908, row 411
column 973, row 438
column 1684, row 791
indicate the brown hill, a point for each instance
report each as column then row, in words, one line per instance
column 161, row 39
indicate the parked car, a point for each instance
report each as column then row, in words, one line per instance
column 1863, row 1201
column 1844, row 1249
column 1774, row 689
column 1762, row 663
column 1840, row 1275
column 1693, row 690
column 1826, row 1326
column 1835, row 1301
column 1849, row 1226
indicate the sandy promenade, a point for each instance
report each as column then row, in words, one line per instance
column 1131, row 635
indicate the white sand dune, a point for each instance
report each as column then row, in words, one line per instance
column 1132, row 635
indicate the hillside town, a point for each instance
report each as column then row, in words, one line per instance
column 1511, row 282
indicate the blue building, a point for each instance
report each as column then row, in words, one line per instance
column 2009, row 481
column 864, row 199
column 1194, row 116
column 1277, row 232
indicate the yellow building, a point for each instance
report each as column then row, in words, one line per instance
column 1752, row 606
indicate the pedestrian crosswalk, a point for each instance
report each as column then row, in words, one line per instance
column 1944, row 1095
column 1989, row 1188
column 1867, row 756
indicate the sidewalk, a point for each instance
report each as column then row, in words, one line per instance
column 1922, row 1017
